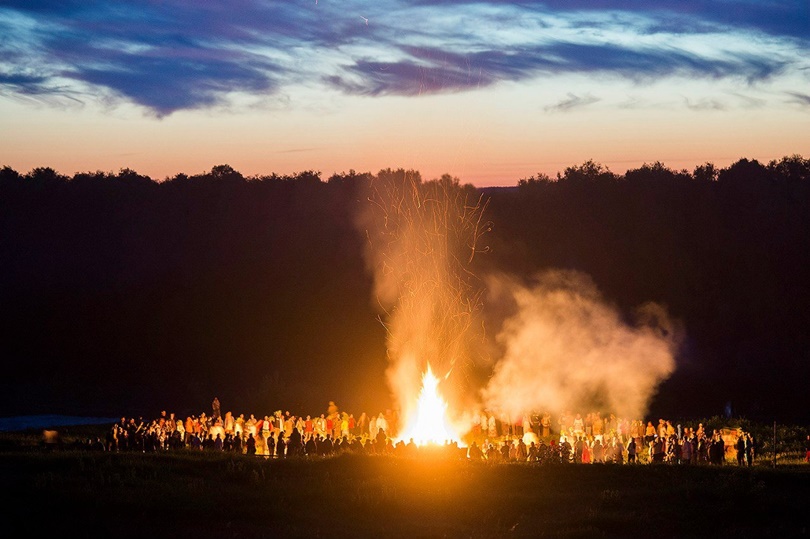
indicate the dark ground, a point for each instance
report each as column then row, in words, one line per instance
column 184, row 494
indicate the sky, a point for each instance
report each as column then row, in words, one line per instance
column 489, row 91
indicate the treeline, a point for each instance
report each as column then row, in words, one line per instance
column 120, row 292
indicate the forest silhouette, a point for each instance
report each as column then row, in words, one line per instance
column 125, row 295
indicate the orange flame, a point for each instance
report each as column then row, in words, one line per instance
column 429, row 425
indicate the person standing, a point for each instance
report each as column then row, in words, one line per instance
column 278, row 424
column 372, row 427
column 521, row 451
column 216, row 414
column 749, row 449
column 545, row 423
column 309, row 429
column 362, row 424
column 251, row 444
column 188, row 430
column 228, row 423
column 617, row 450
column 266, row 430
column 598, row 453
column 250, row 425
column 631, row 451
column 740, row 447
column 382, row 423
column 586, row 452
column 686, row 450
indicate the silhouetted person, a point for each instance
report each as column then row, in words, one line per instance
column 237, row 444
column 717, row 449
column 294, row 443
column 380, row 442
column 578, row 449
column 749, row 449
column 215, row 409
column 271, row 446
column 739, row 445
column 325, row 445
column 474, row 453
column 311, row 447
column 281, row 448
column 631, row 451
column 565, row 451
column 521, row 453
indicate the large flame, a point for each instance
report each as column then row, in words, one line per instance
column 429, row 424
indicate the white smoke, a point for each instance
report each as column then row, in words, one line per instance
column 565, row 349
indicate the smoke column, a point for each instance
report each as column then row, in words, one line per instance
column 421, row 238
column 559, row 345
column 565, row 349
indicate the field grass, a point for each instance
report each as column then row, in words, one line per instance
column 220, row 495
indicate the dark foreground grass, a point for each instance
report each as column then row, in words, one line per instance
column 184, row 494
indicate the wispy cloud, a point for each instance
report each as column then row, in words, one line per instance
column 572, row 102
column 172, row 55
column 799, row 98
column 779, row 18
column 24, row 84
column 704, row 104
column 749, row 102
column 434, row 70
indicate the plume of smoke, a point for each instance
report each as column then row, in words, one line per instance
column 564, row 348
column 421, row 238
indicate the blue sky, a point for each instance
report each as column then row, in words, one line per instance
column 475, row 89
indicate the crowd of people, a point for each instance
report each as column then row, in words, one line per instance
column 595, row 438
column 569, row 438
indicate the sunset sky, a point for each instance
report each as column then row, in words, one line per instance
column 487, row 91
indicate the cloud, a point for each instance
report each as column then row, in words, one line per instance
column 36, row 89
column 165, row 56
column 175, row 81
column 704, row 104
column 407, row 78
column 800, row 98
column 25, row 84
column 778, row 18
column 170, row 55
column 749, row 102
column 434, row 70
column 572, row 102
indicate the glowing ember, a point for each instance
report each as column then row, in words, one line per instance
column 429, row 423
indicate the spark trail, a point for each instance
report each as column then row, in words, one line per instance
column 422, row 238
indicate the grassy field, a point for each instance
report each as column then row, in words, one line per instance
column 202, row 495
